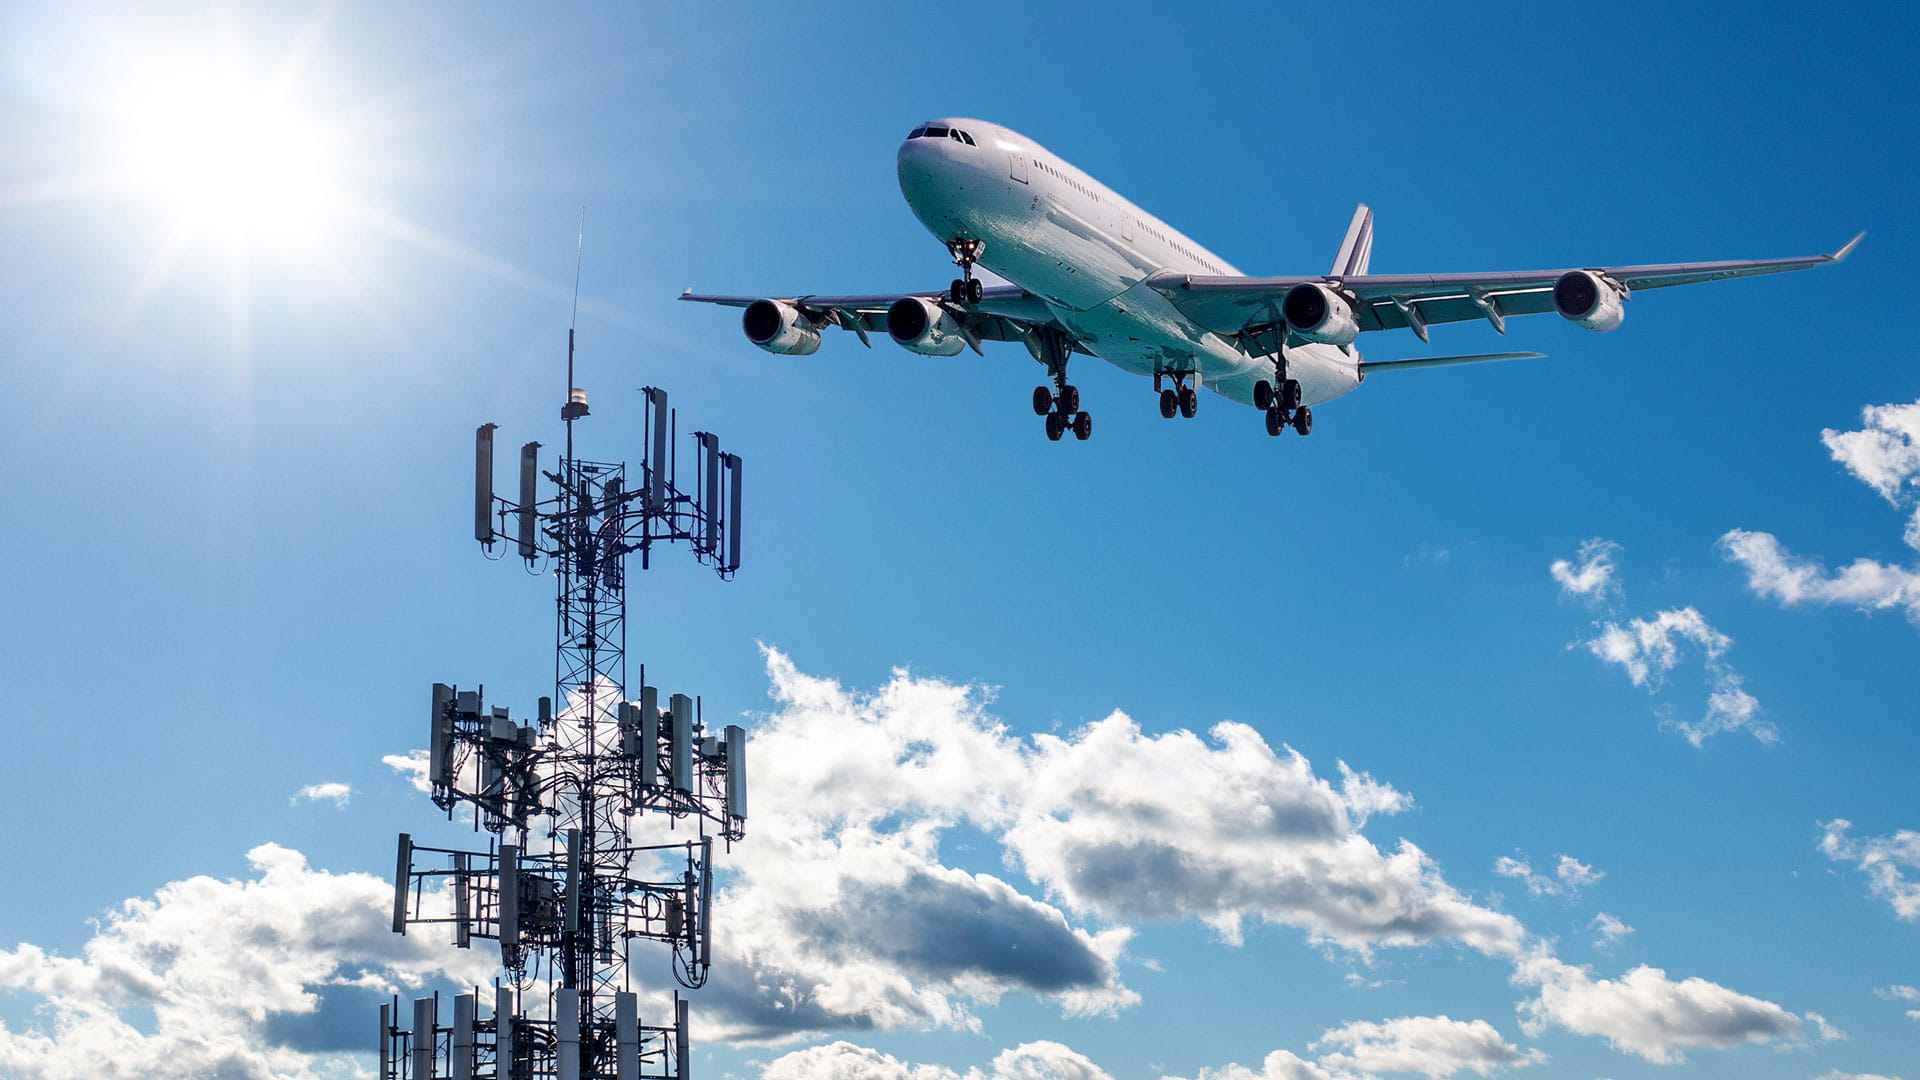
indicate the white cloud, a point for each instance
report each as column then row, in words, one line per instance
column 274, row 976
column 1133, row 826
column 1864, row 584
column 1648, row 649
column 1591, row 578
column 412, row 765
column 1609, row 930
column 1569, row 876
column 1884, row 455
column 335, row 791
column 1836, row 1074
column 1898, row 992
column 845, row 1061
column 842, row 909
column 1645, row 1013
column 1886, row 860
column 1434, row 1046
column 1824, row 1031
column 862, row 789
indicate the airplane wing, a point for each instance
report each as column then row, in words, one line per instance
column 1236, row 306
column 1004, row 313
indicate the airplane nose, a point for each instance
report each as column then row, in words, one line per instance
column 919, row 166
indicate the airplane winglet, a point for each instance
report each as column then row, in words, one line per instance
column 1848, row 247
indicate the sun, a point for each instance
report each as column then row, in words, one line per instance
column 229, row 157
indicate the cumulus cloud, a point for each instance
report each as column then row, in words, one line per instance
column 1884, row 454
column 843, row 912
column 845, row 1061
column 1111, row 825
column 1886, row 860
column 1644, row 1012
column 273, row 976
column 1569, row 875
column 1434, row 1046
column 1648, row 649
column 1589, row 575
column 333, row 791
column 847, row 914
column 1608, row 931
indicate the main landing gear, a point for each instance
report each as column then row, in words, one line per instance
column 1060, row 404
column 965, row 289
column 1180, row 397
column 1280, row 400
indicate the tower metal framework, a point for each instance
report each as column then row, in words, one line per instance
column 563, row 885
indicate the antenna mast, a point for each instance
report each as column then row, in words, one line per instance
column 562, row 885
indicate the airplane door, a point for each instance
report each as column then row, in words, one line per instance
column 1016, row 166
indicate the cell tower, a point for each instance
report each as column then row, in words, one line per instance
column 561, row 885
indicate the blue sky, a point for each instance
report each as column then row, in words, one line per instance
column 237, row 547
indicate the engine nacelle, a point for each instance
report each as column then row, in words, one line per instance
column 780, row 328
column 1584, row 298
column 922, row 326
column 1319, row 314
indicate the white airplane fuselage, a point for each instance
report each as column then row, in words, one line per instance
column 1083, row 249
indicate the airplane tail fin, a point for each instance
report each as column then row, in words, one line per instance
column 1357, row 247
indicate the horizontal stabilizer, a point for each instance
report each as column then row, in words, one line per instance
column 1369, row 366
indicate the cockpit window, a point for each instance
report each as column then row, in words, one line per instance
column 917, row 132
column 966, row 138
column 955, row 134
column 936, row 132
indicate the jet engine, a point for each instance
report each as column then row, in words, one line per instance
column 1586, row 299
column 922, row 326
column 780, row 328
column 1317, row 313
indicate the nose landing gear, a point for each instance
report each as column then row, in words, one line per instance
column 965, row 289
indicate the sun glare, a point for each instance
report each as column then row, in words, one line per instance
column 232, row 159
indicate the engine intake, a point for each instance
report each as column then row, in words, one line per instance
column 780, row 328
column 1319, row 314
column 1584, row 298
column 920, row 325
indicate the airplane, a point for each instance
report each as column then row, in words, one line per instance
column 1091, row 273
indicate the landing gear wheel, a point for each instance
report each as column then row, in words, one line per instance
column 1189, row 402
column 1069, row 399
column 1083, row 426
column 1290, row 394
column 1042, row 401
column 1263, row 395
column 1303, row 421
column 1276, row 421
column 975, row 290
column 956, row 291
column 1169, row 403
column 1056, row 426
